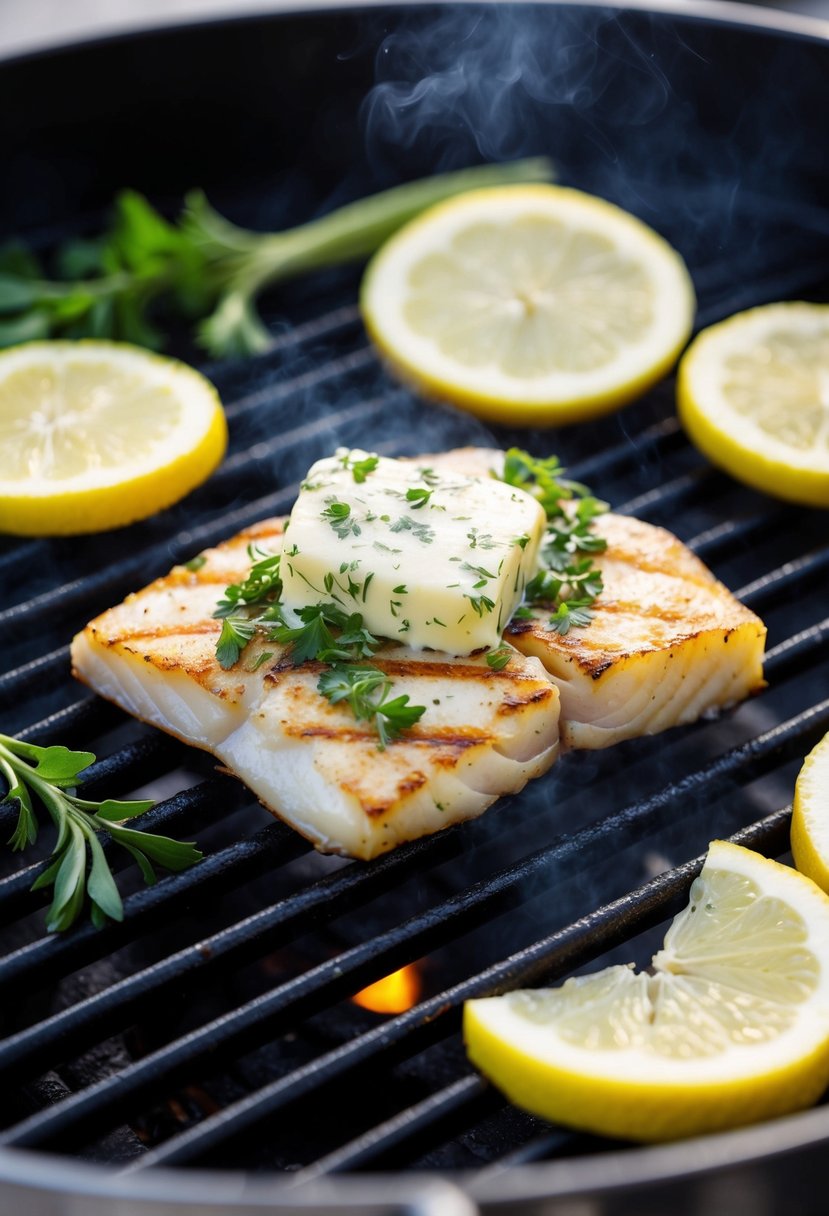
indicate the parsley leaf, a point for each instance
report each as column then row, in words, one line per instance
column 338, row 515
column 421, row 532
column 236, row 632
column 498, row 659
column 262, row 585
column 418, row 496
column 566, row 580
column 360, row 468
column 570, row 613
column 366, row 689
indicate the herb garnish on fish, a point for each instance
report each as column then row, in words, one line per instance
column 567, row 580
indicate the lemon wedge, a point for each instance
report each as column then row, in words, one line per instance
column 530, row 304
column 753, row 395
column 95, row 435
column 731, row 1027
column 810, row 816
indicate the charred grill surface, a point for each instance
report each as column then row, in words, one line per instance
column 215, row 1026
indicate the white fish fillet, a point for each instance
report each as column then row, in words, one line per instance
column 484, row 733
column 668, row 642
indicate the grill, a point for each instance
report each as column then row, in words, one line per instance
column 213, row 1029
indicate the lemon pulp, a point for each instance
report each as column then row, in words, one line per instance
column 534, row 304
column 732, row 1025
column 98, row 434
column 753, row 394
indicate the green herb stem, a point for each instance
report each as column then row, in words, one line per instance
column 78, row 871
column 205, row 268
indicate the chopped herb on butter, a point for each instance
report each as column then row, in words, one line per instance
column 467, row 565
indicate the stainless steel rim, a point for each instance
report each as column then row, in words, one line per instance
column 720, row 12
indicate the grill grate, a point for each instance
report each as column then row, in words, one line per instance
column 214, row 1024
column 52, row 1038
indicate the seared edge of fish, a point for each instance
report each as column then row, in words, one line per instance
column 484, row 733
column 668, row 643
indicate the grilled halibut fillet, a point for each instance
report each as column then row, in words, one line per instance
column 483, row 734
column 667, row 644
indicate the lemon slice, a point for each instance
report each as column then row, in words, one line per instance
column 529, row 304
column 753, row 395
column 99, row 434
column 731, row 1028
column 810, row 816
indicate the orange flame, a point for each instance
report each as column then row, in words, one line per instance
column 394, row 993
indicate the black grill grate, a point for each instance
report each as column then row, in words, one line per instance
column 213, row 1026
column 788, row 588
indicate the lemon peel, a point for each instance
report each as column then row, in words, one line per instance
column 731, row 1028
column 753, row 395
column 810, row 816
column 529, row 304
column 98, row 434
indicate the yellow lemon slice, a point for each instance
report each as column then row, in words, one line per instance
column 753, row 395
column 731, row 1027
column 529, row 304
column 95, row 435
column 810, row 816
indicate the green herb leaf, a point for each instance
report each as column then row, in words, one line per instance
column 360, row 468
column 235, row 634
column 418, row 496
column 566, row 580
column 366, row 689
column 498, row 659
column 202, row 266
column 49, row 773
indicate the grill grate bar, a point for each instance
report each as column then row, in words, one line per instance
column 655, row 440
column 321, row 373
column 714, row 542
column 50, row 957
column 23, row 678
column 243, row 462
column 388, row 950
column 768, row 589
column 323, row 325
column 673, row 492
column 786, row 283
column 342, row 891
column 791, row 656
column 469, row 1095
column 547, row 959
column 84, row 718
column 185, row 812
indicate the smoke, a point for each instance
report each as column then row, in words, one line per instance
column 698, row 128
column 496, row 83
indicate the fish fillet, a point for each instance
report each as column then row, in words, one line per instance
column 668, row 642
column 484, row 733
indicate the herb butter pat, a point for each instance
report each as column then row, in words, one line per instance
column 428, row 558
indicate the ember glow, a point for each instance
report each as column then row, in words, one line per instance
column 394, row 993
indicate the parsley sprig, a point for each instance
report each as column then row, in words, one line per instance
column 359, row 465
column 322, row 633
column 203, row 268
column 79, row 872
column 262, row 584
column 367, row 692
column 567, row 582
column 244, row 606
